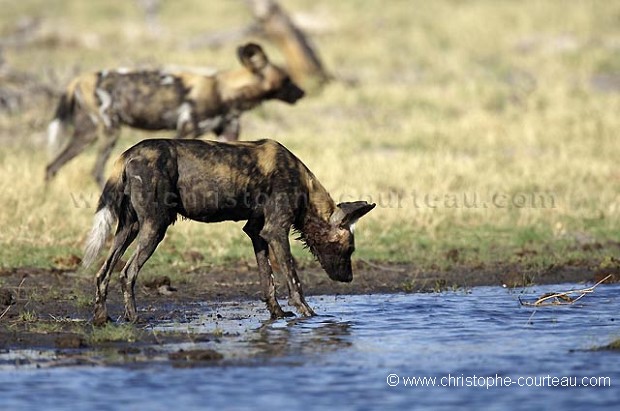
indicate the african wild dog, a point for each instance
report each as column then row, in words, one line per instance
column 261, row 182
column 192, row 104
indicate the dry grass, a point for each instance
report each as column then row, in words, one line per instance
column 478, row 126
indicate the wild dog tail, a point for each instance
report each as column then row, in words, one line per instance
column 108, row 211
column 63, row 114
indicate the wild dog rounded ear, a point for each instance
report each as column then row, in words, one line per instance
column 252, row 56
column 348, row 213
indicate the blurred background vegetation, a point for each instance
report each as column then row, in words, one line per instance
column 487, row 131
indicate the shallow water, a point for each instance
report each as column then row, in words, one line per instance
column 342, row 358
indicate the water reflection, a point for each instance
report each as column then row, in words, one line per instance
column 242, row 334
column 300, row 336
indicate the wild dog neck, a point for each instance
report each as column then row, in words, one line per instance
column 314, row 226
column 238, row 89
column 320, row 203
column 313, row 231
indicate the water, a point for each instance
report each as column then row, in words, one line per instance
column 342, row 359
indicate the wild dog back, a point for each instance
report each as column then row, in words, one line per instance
column 225, row 181
column 149, row 100
column 98, row 104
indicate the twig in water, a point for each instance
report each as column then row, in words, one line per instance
column 562, row 298
column 529, row 320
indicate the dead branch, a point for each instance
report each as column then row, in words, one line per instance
column 382, row 267
column 6, row 310
column 563, row 298
column 303, row 61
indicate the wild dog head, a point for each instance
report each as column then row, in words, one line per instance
column 273, row 81
column 337, row 243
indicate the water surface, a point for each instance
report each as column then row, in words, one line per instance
column 343, row 358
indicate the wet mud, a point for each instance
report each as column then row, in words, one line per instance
column 45, row 313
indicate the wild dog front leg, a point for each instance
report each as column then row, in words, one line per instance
column 261, row 250
column 282, row 253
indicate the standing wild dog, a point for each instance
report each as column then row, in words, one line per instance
column 192, row 104
column 261, row 182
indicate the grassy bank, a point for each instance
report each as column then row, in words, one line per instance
column 486, row 131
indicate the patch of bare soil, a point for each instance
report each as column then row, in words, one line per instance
column 50, row 309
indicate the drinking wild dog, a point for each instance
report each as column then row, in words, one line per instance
column 98, row 104
column 262, row 182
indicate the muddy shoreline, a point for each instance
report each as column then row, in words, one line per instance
column 50, row 309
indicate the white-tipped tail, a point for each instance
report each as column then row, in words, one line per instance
column 102, row 224
column 53, row 136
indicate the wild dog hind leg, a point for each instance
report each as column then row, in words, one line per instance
column 123, row 238
column 103, row 154
column 151, row 234
column 84, row 134
column 150, row 190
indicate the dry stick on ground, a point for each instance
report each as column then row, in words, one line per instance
column 5, row 311
column 383, row 267
column 19, row 288
column 563, row 298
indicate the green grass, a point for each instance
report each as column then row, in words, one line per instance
column 614, row 345
column 473, row 125
column 113, row 332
